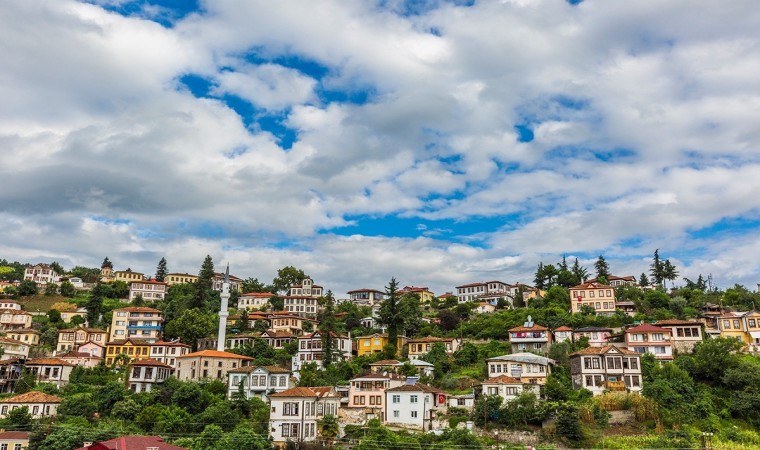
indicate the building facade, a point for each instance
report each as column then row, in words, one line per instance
column 293, row 414
column 600, row 297
column 529, row 368
column 72, row 338
column 149, row 290
column 473, row 291
column 414, row 406
column 418, row 347
column 600, row 369
column 140, row 322
column 258, row 381
column 146, row 374
column 209, row 364
column 530, row 337
column 647, row 338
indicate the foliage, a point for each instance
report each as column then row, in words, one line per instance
column 602, row 270
column 161, row 270
column 203, row 286
column 391, row 315
column 328, row 327
column 191, row 325
column 286, row 277
column 27, row 287
column 17, row 419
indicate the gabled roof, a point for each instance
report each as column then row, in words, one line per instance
column 48, row 362
column 604, row 350
column 563, row 328
column 139, row 309
column 592, row 329
column 386, row 362
column 535, row 327
column 32, row 397
column 168, row 344
column 431, row 339
column 270, row 369
column 258, row 294
column 675, row 322
column 319, row 392
column 592, row 285
column 7, row 340
column 133, row 341
column 417, row 387
column 502, row 379
column 150, row 362
column 132, row 443
column 215, row 354
column 88, row 330
column 15, row 435
column 647, row 328
column 524, row 357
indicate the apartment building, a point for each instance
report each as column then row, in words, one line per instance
column 41, row 274
column 366, row 395
column 139, row 322
column 302, row 298
column 600, row 297
column 72, row 338
column 149, row 290
column 180, row 278
column 209, row 364
column 474, row 291
column 530, row 337
column 254, row 300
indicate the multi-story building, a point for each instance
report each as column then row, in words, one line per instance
column 530, row 337
column 72, row 338
column 506, row 387
column 10, row 304
column 423, row 293
column 302, row 298
column 145, row 374
column 50, row 370
column 606, row 368
column 484, row 308
column 366, row 296
column 208, row 364
column 254, row 300
column 258, row 381
column 67, row 316
column 647, row 338
column 414, row 406
column 93, row 348
column 294, row 413
column 13, row 348
column 130, row 348
column 744, row 326
column 138, row 322
column 128, row 276
column 684, row 334
column 279, row 339
column 41, row 274
column 375, row 343
column 310, row 349
column 526, row 367
column 286, row 321
column 168, row 352
column 38, row 403
column 615, row 281
column 15, row 440
column 420, row 346
column 180, row 278
column 597, row 336
column 13, row 319
column 563, row 334
column 600, row 297
column 366, row 395
column 83, row 359
column 235, row 282
column 149, row 290
column 474, row 291
column 28, row 336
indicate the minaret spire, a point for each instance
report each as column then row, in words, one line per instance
column 221, row 337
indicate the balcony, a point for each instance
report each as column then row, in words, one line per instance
column 143, row 327
column 615, row 386
column 527, row 337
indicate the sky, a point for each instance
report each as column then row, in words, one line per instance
column 438, row 142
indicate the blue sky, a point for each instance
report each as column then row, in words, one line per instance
column 441, row 142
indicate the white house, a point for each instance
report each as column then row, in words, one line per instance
column 414, row 406
column 302, row 298
column 167, row 352
column 606, row 368
column 504, row 386
column 41, row 274
column 293, row 414
column 51, row 370
column 254, row 300
column 13, row 348
column 258, row 381
column 310, row 349
column 149, row 290
column 145, row 374
column 40, row 404
column 526, row 367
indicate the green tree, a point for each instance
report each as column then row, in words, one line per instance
column 161, row 270
column 602, row 270
column 328, row 328
column 190, row 326
column 643, row 280
column 221, row 414
column 391, row 315
column 669, row 272
column 25, row 383
column 486, row 410
column 569, row 422
column 67, row 289
column 253, row 285
column 126, row 409
column 203, row 286
column 328, row 426
column 173, row 420
column 119, row 289
column 87, row 274
column 18, row 419
column 27, row 287
column 286, row 277
column 51, row 289
column 656, row 269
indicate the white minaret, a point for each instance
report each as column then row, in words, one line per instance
column 223, row 311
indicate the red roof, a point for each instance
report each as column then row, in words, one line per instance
column 258, row 294
column 32, row 397
column 564, row 328
column 647, row 328
column 319, row 391
column 592, row 285
column 139, row 309
column 502, row 379
column 150, row 362
column 603, row 350
column 215, row 354
column 14, row 435
column 133, row 443
column 535, row 327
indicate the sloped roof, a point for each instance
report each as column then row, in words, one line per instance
column 215, row 354
column 603, row 350
column 318, row 391
column 417, row 387
column 270, row 369
column 592, row 285
column 150, row 362
column 591, row 329
column 32, row 397
column 524, row 357
column 48, row 362
column 386, row 362
column 502, row 379
column 535, row 327
column 647, row 328
column 563, row 328
column 672, row 322
column 133, row 443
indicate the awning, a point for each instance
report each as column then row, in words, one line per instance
column 755, row 334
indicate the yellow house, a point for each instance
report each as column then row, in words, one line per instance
column 180, row 278
column 133, row 348
column 128, row 276
column 375, row 343
column 422, row 292
column 744, row 326
column 26, row 335
column 13, row 440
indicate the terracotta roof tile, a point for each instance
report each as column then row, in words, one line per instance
column 647, row 328
column 563, row 328
column 33, row 397
column 48, row 362
column 603, row 350
column 150, row 362
column 215, row 354
column 418, row 387
column 535, row 327
column 502, row 379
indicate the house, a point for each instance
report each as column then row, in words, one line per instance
column 563, row 334
column 684, row 334
column 93, row 348
column 627, row 306
column 168, row 352
column 474, row 291
column 77, row 282
column 484, row 308
column 278, row 339
column 72, row 338
column 145, row 374
column 39, row 404
column 50, row 370
column 14, row 319
column 131, row 348
column 414, row 406
column 310, row 349
column 128, row 276
column 286, row 321
column 597, row 336
column 600, row 297
column 506, row 387
column 208, row 364
column 530, row 337
column 302, row 298
column 375, row 343
column 180, row 278
column 529, row 368
column 136, row 322
column 258, row 381
column 606, row 368
column 10, row 372
column 744, row 326
column 615, row 281
column 106, row 272
column 149, row 290
column 13, row 348
column 14, row 440
column 366, row 396
column 421, row 346
column 423, row 293
column 41, row 274
column 132, row 442
column 254, row 300
column 366, row 296
column 648, row 338
column 67, row 316
column 385, row 365
column 9, row 304
column 462, row 401
column 236, row 283
column 83, row 359
column 294, row 413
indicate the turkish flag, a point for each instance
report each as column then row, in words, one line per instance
column 441, row 399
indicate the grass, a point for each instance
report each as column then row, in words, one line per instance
column 41, row 302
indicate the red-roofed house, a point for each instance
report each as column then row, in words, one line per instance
column 208, row 364
column 51, row 370
column 167, row 352
column 414, row 406
column 293, row 414
column 684, row 334
column 530, row 338
column 133, row 443
column 14, row 440
column 145, row 374
column 254, row 300
column 606, row 368
column 39, row 404
column 600, row 297
column 563, row 334
column 652, row 339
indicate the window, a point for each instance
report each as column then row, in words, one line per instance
column 591, row 294
column 290, row 409
column 395, row 413
column 3, row 446
column 396, row 399
column 414, row 414
column 412, row 399
column 736, row 324
column 751, row 322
